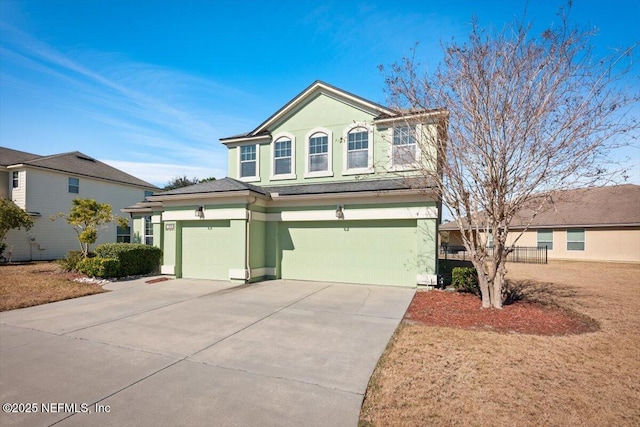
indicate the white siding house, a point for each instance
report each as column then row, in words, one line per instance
column 46, row 185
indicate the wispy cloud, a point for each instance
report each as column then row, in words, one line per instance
column 146, row 106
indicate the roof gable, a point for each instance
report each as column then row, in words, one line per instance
column 316, row 89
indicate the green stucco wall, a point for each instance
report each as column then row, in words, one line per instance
column 383, row 252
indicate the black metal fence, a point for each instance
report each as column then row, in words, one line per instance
column 524, row 254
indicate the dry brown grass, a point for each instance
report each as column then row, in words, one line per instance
column 443, row 376
column 25, row 285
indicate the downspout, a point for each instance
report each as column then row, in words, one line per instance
column 247, row 264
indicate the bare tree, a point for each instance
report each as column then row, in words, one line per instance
column 527, row 114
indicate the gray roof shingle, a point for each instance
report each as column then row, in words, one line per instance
column 230, row 185
column 75, row 163
column 608, row 206
column 217, row 186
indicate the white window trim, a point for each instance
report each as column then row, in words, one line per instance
column 69, row 185
column 148, row 221
column 329, row 171
column 345, row 150
column 292, row 174
column 254, row 178
column 410, row 166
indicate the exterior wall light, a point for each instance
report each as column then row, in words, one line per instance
column 340, row 212
column 200, row 211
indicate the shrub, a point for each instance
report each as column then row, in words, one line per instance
column 465, row 279
column 134, row 258
column 70, row 263
column 99, row 267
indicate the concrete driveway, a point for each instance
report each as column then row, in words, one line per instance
column 197, row 353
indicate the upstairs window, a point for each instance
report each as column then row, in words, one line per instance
column 74, row 185
column 318, row 152
column 248, row 161
column 282, row 156
column 358, row 149
column 15, row 179
column 404, row 150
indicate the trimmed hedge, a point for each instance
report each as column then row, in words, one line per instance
column 99, row 267
column 465, row 279
column 135, row 258
column 73, row 258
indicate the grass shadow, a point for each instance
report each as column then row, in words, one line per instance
column 541, row 292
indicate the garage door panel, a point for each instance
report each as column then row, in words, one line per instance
column 377, row 252
column 204, row 252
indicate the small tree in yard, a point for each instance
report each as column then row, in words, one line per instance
column 87, row 216
column 11, row 216
column 527, row 115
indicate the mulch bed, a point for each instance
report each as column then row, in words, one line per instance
column 464, row 311
column 158, row 280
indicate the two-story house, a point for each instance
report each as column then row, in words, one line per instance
column 321, row 190
column 46, row 185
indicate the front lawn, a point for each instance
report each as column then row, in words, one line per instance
column 439, row 375
column 24, row 285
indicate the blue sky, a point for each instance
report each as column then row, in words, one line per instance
column 150, row 86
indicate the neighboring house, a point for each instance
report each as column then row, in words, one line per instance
column 46, row 185
column 315, row 192
column 595, row 224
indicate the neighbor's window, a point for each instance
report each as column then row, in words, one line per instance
column 282, row 156
column 15, row 179
column 575, row 239
column 490, row 240
column 248, row 162
column 123, row 234
column 147, row 193
column 358, row 149
column 545, row 239
column 318, row 152
column 74, row 185
column 404, row 145
column 148, row 230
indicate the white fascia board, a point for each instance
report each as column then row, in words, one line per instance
column 201, row 196
column 261, row 139
column 412, row 117
column 333, row 196
column 350, row 214
column 209, row 214
column 363, row 200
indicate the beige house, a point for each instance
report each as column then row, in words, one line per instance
column 46, row 185
column 593, row 224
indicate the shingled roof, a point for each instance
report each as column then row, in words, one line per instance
column 74, row 162
column 617, row 205
column 230, row 185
